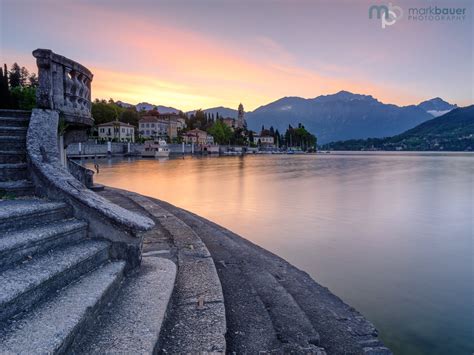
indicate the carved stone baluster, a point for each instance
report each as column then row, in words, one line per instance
column 65, row 86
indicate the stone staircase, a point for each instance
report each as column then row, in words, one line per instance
column 13, row 168
column 56, row 282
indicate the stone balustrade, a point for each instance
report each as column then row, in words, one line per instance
column 64, row 86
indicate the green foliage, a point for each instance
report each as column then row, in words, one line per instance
column 221, row 132
column 200, row 120
column 5, row 96
column 15, row 75
column 24, row 97
column 17, row 88
column 130, row 116
column 104, row 111
column 300, row 137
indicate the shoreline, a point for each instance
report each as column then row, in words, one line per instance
column 269, row 303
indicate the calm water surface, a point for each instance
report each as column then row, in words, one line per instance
column 391, row 234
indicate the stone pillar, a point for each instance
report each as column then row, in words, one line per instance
column 192, row 148
column 128, row 148
column 80, row 148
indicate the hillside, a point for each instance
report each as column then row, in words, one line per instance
column 453, row 131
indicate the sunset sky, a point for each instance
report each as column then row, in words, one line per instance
column 204, row 53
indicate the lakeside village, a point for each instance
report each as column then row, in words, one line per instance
column 149, row 132
column 144, row 130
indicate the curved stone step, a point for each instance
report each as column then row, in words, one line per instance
column 12, row 156
column 15, row 113
column 27, row 283
column 17, row 214
column 197, row 320
column 132, row 323
column 6, row 130
column 12, row 142
column 15, row 171
column 12, row 121
column 55, row 324
column 18, row 245
column 12, row 189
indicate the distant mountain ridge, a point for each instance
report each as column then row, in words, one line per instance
column 339, row 116
column 454, row 131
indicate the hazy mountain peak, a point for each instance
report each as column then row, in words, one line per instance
column 343, row 96
column 436, row 106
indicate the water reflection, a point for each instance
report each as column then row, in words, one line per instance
column 391, row 234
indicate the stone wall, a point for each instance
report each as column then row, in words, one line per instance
column 91, row 148
column 95, row 149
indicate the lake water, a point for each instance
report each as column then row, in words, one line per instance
column 391, row 234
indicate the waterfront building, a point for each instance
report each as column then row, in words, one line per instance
column 116, row 130
column 264, row 139
column 162, row 126
column 198, row 136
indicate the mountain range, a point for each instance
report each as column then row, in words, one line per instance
column 453, row 131
column 335, row 117
column 343, row 115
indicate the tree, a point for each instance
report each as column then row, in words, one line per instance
column 300, row 137
column 24, row 77
column 5, row 96
column 221, row 132
column 15, row 75
column 24, row 98
column 130, row 116
column 104, row 112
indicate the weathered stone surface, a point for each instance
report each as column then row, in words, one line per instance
column 53, row 326
column 197, row 321
column 132, row 323
column 15, row 214
column 65, row 86
column 20, row 245
column 26, row 284
column 16, row 188
column 106, row 220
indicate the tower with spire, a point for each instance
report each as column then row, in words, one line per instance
column 240, row 117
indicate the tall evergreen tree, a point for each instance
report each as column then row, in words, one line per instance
column 24, row 77
column 4, row 90
column 15, row 75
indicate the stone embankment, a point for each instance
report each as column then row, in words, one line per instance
column 269, row 305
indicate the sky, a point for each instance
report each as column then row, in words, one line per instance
column 193, row 54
